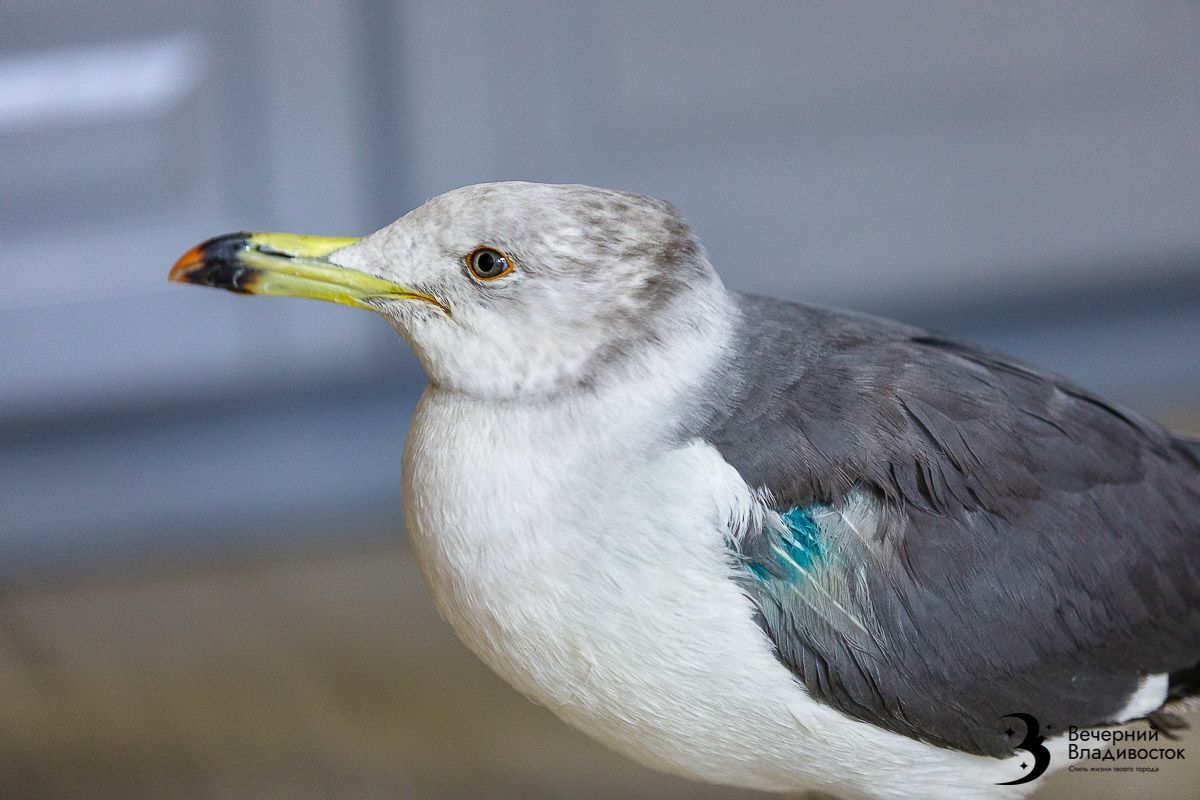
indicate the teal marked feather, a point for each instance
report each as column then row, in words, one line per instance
column 791, row 550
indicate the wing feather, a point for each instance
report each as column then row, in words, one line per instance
column 1036, row 549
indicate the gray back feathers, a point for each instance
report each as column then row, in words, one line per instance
column 1040, row 551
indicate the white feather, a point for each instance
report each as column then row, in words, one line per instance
column 1149, row 695
column 589, row 569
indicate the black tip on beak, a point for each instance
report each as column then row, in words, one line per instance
column 216, row 263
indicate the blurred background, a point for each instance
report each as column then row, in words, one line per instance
column 204, row 586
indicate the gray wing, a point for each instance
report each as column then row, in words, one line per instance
column 1042, row 547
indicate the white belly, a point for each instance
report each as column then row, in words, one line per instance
column 596, row 582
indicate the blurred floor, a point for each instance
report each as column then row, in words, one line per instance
column 318, row 674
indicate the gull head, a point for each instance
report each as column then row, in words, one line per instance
column 503, row 290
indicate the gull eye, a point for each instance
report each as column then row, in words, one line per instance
column 488, row 263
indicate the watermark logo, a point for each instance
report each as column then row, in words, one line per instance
column 1113, row 745
column 1093, row 745
column 1031, row 744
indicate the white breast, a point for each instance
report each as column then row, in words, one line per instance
column 592, row 575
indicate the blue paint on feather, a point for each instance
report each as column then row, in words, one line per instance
column 759, row 570
column 802, row 543
column 790, row 552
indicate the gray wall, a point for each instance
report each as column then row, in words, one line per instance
column 1023, row 175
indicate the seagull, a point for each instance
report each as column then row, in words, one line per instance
column 750, row 541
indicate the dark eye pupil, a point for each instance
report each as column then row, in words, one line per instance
column 488, row 263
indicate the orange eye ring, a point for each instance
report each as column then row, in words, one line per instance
column 488, row 263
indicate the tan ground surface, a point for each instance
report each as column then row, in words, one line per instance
column 322, row 675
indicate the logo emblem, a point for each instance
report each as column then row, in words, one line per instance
column 1032, row 744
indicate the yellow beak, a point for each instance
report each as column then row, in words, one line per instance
column 288, row 265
